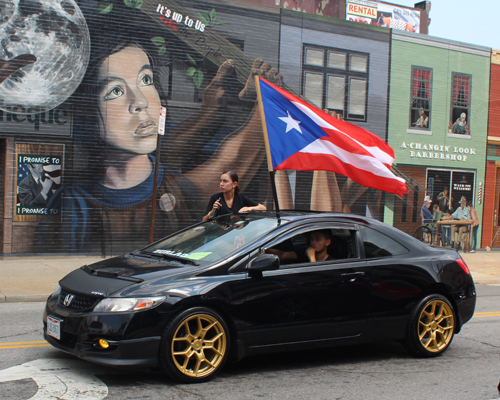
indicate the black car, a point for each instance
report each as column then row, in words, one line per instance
column 219, row 291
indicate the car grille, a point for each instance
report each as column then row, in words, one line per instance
column 78, row 302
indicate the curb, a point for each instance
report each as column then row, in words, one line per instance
column 23, row 298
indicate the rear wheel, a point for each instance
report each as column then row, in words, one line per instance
column 431, row 327
column 195, row 345
column 424, row 234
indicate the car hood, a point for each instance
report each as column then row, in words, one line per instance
column 115, row 274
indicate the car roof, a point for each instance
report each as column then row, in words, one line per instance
column 295, row 215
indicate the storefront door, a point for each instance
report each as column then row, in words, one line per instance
column 458, row 183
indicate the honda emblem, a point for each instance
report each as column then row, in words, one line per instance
column 68, row 299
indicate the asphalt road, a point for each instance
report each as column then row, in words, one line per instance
column 468, row 370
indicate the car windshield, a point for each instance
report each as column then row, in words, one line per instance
column 214, row 239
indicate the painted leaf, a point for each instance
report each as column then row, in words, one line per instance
column 133, row 3
column 191, row 60
column 198, row 79
column 158, row 41
column 190, row 71
column 213, row 14
column 204, row 17
column 162, row 50
column 105, row 8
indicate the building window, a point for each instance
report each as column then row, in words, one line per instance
column 460, row 104
column 447, row 187
column 336, row 80
column 421, row 93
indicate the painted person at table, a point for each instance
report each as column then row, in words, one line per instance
column 462, row 213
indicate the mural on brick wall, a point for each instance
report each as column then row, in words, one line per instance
column 143, row 55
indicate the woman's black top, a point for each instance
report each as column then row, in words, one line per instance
column 239, row 201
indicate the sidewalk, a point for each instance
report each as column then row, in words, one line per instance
column 35, row 278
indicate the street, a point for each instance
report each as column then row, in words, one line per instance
column 29, row 368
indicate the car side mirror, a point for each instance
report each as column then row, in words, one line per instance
column 263, row 262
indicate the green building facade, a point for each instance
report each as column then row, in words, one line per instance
column 438, row 116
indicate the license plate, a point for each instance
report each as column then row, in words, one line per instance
column 54, row 327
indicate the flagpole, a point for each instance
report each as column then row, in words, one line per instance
column 268, row 150
column 155, row 184
column 161, row 132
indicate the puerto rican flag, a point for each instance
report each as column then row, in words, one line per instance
column 304, row 138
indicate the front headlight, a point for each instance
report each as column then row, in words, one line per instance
column 128, row 304
column 57, row 291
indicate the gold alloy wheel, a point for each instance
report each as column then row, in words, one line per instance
column 199, row 345
column 436, row 326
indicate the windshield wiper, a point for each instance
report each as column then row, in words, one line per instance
column 169, row 257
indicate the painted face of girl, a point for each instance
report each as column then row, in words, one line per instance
column 128, row 101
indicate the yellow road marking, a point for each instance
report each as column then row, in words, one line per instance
column 32, row 342
column 17, row 345
column 487, row 314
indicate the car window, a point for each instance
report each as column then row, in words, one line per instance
column 377, row 244
column 214, row 239
column 293, row 249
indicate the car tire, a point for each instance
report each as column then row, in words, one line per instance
column 194, row 345
column 431, row 327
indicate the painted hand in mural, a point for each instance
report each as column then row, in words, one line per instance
column 7, row 68
column 243, row 149
column 190, row 136
column 215, row 94
column 264, row 70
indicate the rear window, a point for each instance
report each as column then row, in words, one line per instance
column 377, row 244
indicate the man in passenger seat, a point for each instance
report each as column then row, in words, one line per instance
column 320, row 240
column 318, row 250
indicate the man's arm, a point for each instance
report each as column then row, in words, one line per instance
column 283, row 255
column 311, row 254
column 427, row 214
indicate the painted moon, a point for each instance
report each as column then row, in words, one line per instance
column 53, row 31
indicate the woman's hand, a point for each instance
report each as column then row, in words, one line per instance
column 215, row 208
column 217, row 205
column 259, row 207
column 213, row 211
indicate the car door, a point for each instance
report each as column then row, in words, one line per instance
column 397, row 283
column 307, row 301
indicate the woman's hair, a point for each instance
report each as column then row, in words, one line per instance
column 234, row 177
